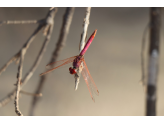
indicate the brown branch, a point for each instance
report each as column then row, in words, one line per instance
column 61, row 41
column 51, row 13
column 82, row 44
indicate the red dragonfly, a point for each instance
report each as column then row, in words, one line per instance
column 78, row 61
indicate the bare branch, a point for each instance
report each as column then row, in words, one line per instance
column 43, row 22
column 19, row 78
column 49, row 23
column 7, row 99
column 31, row 94
column 19, row 22
column 143, row 46
column 82, row 44
column 26, row 46
column 67, row 19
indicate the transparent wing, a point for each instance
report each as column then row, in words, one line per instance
column 89, row 81
column 59, row 64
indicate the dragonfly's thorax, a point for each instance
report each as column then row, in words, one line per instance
column 77, row 62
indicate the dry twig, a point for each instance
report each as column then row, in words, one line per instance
column 19, row 78
column 82, row 43
column 25, row 47
column 31, row 94
column 67, row 19
column 48, row 21
column 143, row 47
column 20, row 22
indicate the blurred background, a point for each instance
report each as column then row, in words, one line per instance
column 113, row 60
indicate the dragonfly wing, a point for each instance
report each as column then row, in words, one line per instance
column 59, row 64
column 89, row 81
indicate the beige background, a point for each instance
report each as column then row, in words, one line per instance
column 113, row 60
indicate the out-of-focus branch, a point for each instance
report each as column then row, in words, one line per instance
column 44, row 22
column 143, row 47
column 82, row 44
column 19, row 22
column 47, row 22
column 25, row 47
column 31, row 94
column 67, row 19
column 155, row 21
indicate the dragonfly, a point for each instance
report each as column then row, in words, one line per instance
column 77, row 62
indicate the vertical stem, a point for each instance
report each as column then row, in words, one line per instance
column 155, row 17
column 85, row 29
column 82, row 43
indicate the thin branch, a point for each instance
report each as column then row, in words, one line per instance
column 31, row 94
column 82, row 43
column 42, row 23
column 51, row 13
column 155, row 21
column 49, row 24
column 8, row 98
column 25, row 47
column 19, row 22
column 19, row 78
column 67, row 19
column 143, row 47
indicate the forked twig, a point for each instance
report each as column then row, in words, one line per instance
column 25, row 47
column 67, row 19
column 82, row 43
column 47, row 22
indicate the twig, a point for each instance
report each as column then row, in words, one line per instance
column 82, row 43
column 19, row 22
column 31, row 94
column 155, row 21
column 43, row 22
column 19, row 78
column 49, row 23
column 25, row 47
column 67, row 19
column 8, row 98
column 51, row 13
column 143, row 76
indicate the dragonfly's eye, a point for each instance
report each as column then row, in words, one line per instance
column 72, row 71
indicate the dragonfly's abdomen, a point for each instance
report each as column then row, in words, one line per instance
column 88, row 43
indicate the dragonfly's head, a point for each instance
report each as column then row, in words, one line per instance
column 72, row 71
